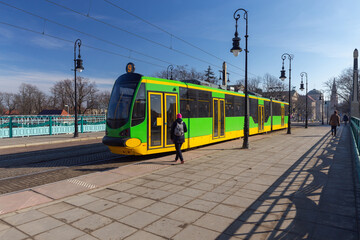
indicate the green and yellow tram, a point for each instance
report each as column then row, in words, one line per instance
column 142, row 109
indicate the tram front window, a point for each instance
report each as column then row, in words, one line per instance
column 119, row 104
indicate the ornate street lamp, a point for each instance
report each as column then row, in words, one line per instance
column 322, row 111
column 306, row 95
column 283, row 77
column 171, row 67
column 78, row 67
column 236, row 50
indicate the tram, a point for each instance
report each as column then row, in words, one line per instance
column 142, row 109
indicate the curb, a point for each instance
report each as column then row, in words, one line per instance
column 50, row 142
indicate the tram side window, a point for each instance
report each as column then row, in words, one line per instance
column 229, row 105
column 254, row 109
column 193, row 103
column 184, row 103
column 267, row 110
column 239, row 106
column 276, row 109
column 138, row 115
column 204, row 106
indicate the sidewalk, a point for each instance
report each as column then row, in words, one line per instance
column 6, row 143
column 285, row 187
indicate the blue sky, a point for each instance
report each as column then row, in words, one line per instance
column 321, row 34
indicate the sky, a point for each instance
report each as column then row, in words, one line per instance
column 37, row 38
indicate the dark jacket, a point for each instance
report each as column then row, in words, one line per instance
column 345, row 118
column 177, row 139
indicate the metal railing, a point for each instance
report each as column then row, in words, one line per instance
column 355, row 128
column 25, row 126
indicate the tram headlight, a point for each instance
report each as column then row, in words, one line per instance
column 132, row 142
column 125, row 133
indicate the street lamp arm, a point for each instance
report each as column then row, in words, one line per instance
column 236, row 17
column 77, row 42
column 303, row 73
column 290, row 56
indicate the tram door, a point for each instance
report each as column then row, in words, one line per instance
column 218, row 117
column 162, row 113
column 261, row 117
column 282, row 116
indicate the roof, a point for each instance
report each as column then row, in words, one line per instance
column 314, row 91
column 53, row 112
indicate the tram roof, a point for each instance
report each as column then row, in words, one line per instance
column 189, row 84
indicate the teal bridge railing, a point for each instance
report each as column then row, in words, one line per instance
column 355, row 129
column 25, row 126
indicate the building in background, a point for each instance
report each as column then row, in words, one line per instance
column 333, row 98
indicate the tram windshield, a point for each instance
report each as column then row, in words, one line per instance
column 120, row 103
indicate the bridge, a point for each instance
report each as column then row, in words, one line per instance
column 303, row 185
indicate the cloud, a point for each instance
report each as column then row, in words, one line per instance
column 11, row 79
column 48, row 43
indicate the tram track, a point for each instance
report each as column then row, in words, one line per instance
column 24, row 171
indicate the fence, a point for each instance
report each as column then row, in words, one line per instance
column 25, row 126
column 355, row 128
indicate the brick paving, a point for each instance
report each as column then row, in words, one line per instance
column 298, row 186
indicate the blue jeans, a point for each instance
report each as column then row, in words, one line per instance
column 178, row 151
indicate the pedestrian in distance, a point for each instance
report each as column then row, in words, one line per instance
column 178, row 128
column 334, row 122
column 345, row 119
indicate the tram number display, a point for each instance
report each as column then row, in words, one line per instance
column 130, row 67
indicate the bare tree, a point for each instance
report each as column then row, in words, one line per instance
column 344, row 86
column 253, row 84
column 272, row 84
column 87, row 93
column 29, row 99
column 103, row 99
column 9, row 102
column 181, row 73
column 63, row 94
column 2, row 108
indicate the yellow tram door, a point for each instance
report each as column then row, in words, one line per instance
column 162, row 109
column 218, row 118
column 261, row 118
column 171, row 109
column 282, row 116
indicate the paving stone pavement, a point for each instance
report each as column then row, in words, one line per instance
column 297, row 186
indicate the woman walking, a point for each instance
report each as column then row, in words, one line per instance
column 334, row 122
column 178, row 128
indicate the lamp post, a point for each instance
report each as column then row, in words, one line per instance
column 322, row 111
column 327, row 111
column 78, row 67
column 171, row 67
column 283, row 77
column 67, row 106
column 235, row 50
column 306, row 96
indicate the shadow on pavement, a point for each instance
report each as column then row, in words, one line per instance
column 313, row 199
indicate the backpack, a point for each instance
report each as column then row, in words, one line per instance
column 179, row 129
